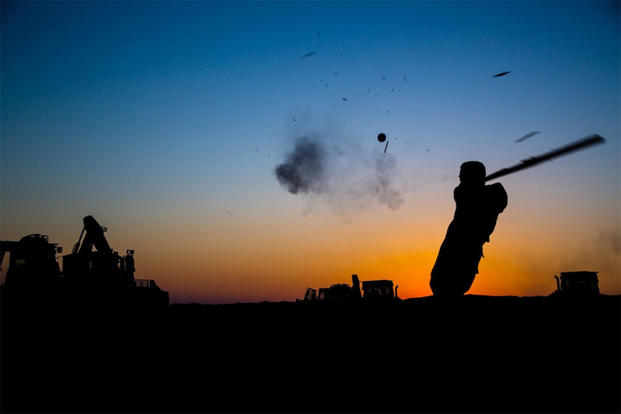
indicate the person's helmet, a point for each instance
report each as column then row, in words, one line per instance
column 472, row 172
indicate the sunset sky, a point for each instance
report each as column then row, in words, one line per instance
column 165, row 121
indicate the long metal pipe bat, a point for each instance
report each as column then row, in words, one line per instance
column 580, row 144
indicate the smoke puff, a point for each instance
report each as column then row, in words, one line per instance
column 610, row 240
column 340, row 172
column 384, row 189
column 303, row 168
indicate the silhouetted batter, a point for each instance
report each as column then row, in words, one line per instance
column 476, row 212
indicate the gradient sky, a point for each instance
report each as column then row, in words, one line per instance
column 165, row 122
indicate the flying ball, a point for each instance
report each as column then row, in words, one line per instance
column 381, row 137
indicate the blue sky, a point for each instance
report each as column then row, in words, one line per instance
column 134, row 108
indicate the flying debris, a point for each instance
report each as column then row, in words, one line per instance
column 501, row 74
column 525, row 137
column 229, row 213
column 392, row 90
column 336, row 73
column 405, row 78
column 317, row 166
column 368, row 90
column 309, row 54
column 345, row 99
column 381, row 137
column 580, row 144
column 383, row 77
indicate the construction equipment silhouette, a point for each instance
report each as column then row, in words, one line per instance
column 577, row 284
column 372, row 291
column 100, row 273
column 32, row 261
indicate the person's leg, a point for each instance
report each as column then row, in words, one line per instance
column 466, row 282
column 445, row 285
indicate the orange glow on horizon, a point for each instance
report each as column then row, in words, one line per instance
column 198, row 257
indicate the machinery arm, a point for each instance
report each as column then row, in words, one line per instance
column 94, row 237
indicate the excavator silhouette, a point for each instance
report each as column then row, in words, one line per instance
column 103, row 268
column 96, row 275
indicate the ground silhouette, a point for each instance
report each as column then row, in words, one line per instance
column 98, row 340
column 476, row 354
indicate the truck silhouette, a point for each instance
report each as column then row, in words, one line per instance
column 32, row 261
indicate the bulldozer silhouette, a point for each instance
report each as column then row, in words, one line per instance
column 577, row 284
column 372, row 291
